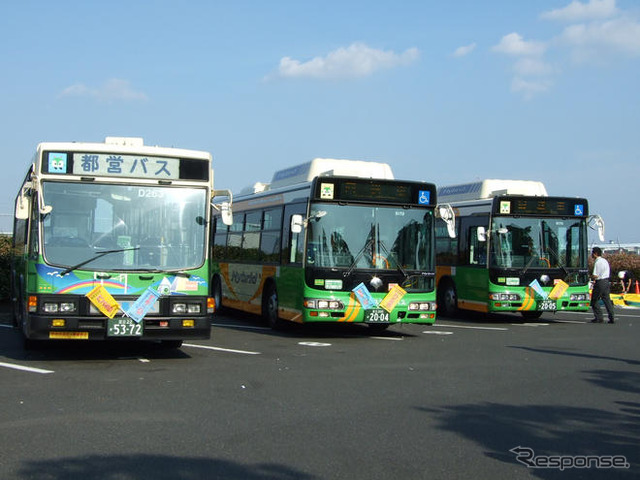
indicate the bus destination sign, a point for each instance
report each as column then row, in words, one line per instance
column 556, row 206
column 374, row 191
column 112, row 165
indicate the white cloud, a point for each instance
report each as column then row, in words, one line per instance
column 529, row 88
column 113, row 89
column 528, row 67
column 356, row 60
column 598, row 32
column 531, row 72
column 578, row 11
column 464, row 50
column 513, row 44
column 619, row 35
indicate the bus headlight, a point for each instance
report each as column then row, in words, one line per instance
column 183, row 308
column 323, row 304
column 50, row 307
column 67, row 307
column 579, row 297
column 59, row 307
column 422, row 306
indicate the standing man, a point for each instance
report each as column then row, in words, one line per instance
column 601, row 287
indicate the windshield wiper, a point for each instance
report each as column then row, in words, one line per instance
column 394, row 258
column 551, row 251
column 98, row 255
column 357, row 257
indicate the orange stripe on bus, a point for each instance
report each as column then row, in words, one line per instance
column 353, row 307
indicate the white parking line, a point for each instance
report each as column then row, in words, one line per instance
column 219, row 349
column 472, row 327
column 231, row 325
column 25, row 369
column 530, row 324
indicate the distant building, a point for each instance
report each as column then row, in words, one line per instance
column 617, row 247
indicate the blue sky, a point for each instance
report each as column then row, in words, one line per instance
column 444, row 91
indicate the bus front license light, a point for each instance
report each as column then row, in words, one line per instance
column 188, row 323
column 58, row 323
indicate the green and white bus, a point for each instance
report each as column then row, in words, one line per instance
column 330, row 241
column 516, row 250
column 106, row 228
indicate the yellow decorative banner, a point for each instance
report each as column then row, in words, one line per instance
column 104, row 301
column 392, row 298
column 558, row 290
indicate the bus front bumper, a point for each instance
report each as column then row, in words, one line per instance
column 40, row 327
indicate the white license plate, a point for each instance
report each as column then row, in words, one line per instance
column 123, row 327
column 547, row 305
column 376, row 315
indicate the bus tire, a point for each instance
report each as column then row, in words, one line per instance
column 447, row 299
column 216, row 292
column 270, row 306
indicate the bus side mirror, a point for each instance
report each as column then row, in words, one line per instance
column 482, row 234
column 225, row 207
column 445, row 212
column 296, row 223
column 22, row 206
column 596, row 222
column 226, row 213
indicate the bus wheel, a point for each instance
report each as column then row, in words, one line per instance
column 531, row 315
column 270, row 307
column 17, row 312
column 447, row 299
column 216, row 292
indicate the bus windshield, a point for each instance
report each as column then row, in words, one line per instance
column 537, row 243
column 120, row 227
column 370, row 237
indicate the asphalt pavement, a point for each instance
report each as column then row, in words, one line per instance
column 471, row 397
